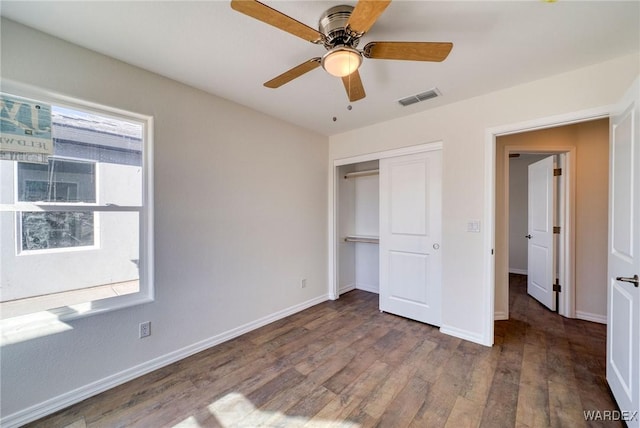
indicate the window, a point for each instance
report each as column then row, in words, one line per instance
column 76, row 218
column 57, row 181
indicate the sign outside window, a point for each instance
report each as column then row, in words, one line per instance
column 25, row 130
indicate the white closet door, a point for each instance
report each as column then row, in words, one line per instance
column 410, row 232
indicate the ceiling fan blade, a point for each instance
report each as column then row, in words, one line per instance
column 353, row 85
column 410, row 51
column 264, row 13
column 365, row 14
column 296, row 71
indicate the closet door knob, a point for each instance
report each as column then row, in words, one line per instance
column 436, row 246
column 528, row 236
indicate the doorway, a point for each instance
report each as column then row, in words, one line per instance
column 536, row 219
column 582, row 259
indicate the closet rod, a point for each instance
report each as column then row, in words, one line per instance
column 364, row 239
column 362, row 173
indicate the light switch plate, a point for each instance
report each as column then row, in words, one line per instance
column 473, row 226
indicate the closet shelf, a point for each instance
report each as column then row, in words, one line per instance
column 363, row 239
column 362, row 173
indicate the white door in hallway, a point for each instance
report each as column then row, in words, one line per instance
column 540, row 258
column 410, row 233
column 623, row 318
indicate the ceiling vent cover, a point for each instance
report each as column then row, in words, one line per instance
column 423, row 96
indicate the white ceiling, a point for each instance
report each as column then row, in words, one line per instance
column 208, row 45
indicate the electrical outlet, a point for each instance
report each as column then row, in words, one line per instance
column 303, row 283
column 145, row 329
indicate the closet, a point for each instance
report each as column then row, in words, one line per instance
column 358, row 227
column 388, row 230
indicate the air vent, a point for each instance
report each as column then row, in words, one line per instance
column 423, row 96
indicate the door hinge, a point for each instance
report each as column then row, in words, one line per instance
column 557, row 171
column 557, row 287
column 556, row 229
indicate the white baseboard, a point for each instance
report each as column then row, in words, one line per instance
column 67, row 399
column 346, row 288
column 519, row 271
column 369, row 288
column 602, row 319
column 463, row 334
column 500, row 316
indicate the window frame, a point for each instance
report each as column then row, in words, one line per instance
column 145, row 211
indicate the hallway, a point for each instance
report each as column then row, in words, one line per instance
column 556, row 364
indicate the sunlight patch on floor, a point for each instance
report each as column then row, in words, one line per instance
column 190, row 422
column 235, row 410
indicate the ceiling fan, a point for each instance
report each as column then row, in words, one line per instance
column 339, row 30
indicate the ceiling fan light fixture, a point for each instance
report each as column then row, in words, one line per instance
column 341, row 61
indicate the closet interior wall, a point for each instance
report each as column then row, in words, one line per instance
column 358, row 227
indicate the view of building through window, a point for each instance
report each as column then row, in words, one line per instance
column 57, row 181
column 71, row 224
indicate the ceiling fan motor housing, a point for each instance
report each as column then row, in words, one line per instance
column 333, row 24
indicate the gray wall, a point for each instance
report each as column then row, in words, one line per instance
column 465, row 129
column 240, row 217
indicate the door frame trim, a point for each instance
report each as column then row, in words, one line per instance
column 333, row 285
column 490, row 196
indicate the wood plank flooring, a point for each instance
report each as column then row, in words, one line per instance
column 345, row 364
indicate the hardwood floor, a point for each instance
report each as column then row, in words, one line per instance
column 345, row 364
